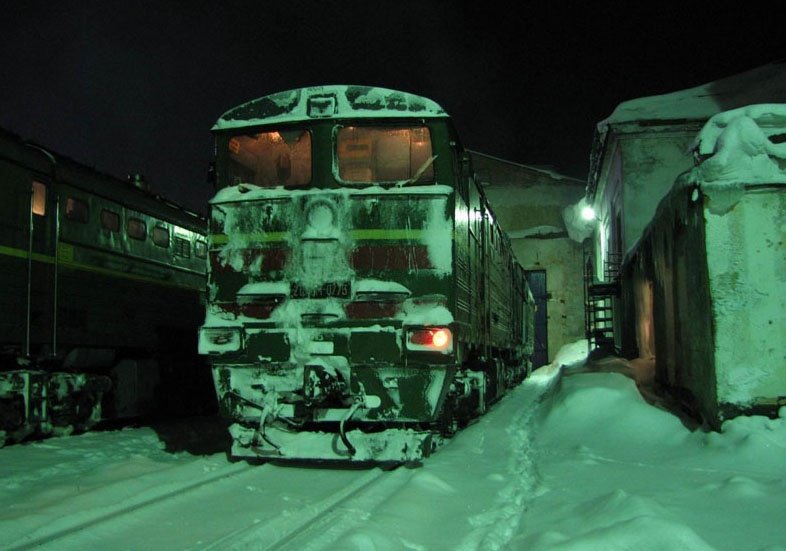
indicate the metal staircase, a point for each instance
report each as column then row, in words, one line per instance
column 599, row 302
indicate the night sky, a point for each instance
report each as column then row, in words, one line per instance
column 136, row 86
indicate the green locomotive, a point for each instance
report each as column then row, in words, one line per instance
column 101, row 294
column 362, row 301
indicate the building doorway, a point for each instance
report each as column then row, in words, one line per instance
column 537, row 284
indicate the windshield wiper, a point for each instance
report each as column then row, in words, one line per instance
column 427, row 163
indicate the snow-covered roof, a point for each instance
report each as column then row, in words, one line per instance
column 762, row 85
column 330, row 101
column 765, row 84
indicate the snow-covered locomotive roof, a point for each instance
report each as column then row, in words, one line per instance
column 324, row 102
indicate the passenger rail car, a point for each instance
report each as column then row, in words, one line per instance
column 362, row 300
column 101, row 298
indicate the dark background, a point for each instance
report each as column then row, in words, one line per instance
column 136, row 86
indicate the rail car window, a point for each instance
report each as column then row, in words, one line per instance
column 110, row 220
column 200, row 249
column 77, row 210
column 271, row 159
column 181, row 247
column 384, row 154
column 38, row 203
column 161, row 236
column 136, row 229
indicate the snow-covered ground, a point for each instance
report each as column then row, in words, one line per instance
column 571, row 459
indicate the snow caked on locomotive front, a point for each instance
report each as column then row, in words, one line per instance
column 362, row 301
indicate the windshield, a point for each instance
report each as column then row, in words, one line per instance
column 384, row 154
column 269, row 159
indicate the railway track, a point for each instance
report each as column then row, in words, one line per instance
column 325, row 521
column 244, row 509
column 66, row 528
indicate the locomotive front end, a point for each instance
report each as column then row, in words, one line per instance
column 329, row 325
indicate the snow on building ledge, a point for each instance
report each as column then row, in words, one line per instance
column 739, row 148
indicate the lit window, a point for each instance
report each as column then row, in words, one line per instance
column 161, row 236
column 384, row 154
column 110, row 220
column 77, row 210
column 39, row 199
column 136, row 229
column 200, row 249
column 271, row 159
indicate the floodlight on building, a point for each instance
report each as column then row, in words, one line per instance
column 588, row 213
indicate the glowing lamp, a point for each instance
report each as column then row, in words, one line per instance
column 440, row 338
column 588, row 213
column 431, row 339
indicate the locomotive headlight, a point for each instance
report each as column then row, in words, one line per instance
column 430, row 339
column 218, row 340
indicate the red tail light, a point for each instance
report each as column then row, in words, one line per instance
column 437, row 339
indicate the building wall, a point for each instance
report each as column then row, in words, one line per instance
column 698, row 284
column 716, row 313
column 675, row 322
column 528, row 203
column 562, row 260
column 747, row 276
column 650, row 164
column 609, row 212
column 638, row 170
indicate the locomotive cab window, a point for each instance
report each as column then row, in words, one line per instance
column 110, row 220
column 136, row 229
column 270, row 159
column 38, row 202
column 77, row 210
column 161, row 236
column 384, row 154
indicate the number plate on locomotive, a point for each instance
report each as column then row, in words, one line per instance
column 327, row 290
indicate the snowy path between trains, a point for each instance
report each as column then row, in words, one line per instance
column 568, row 460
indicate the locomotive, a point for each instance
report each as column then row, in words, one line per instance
column 363, row 304
column 102, row 295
